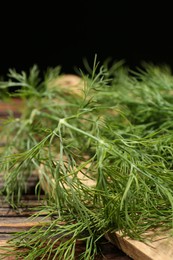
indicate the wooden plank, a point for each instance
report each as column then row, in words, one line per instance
column 15, row 220
column 10, row 224
column 160, row 248
column 15, row 106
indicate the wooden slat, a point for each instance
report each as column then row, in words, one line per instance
column 17, row 220
column 14, row 222
column 15, row 106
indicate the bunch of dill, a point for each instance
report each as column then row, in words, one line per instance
column 103, row 155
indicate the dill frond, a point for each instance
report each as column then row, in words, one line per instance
column 103, row 156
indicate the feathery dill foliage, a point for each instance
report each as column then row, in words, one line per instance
column 116, row 135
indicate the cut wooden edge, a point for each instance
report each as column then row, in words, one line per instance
column 159, row 249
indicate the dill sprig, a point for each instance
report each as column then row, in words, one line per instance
column 103, row 155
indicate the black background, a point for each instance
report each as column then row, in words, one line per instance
column 51, row 33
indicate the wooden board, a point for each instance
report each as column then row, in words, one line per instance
column 161, row 248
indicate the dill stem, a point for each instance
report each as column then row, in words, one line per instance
column 64, row 122
column 108, row 147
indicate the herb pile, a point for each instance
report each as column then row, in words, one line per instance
column 103, row 155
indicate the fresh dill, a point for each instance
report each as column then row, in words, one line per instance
column 102, row 150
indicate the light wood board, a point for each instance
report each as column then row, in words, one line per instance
column 161, row 247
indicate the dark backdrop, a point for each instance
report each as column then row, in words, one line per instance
column 53, row 33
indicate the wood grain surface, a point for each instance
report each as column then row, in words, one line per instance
column 12, row 221
column 161, row 248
